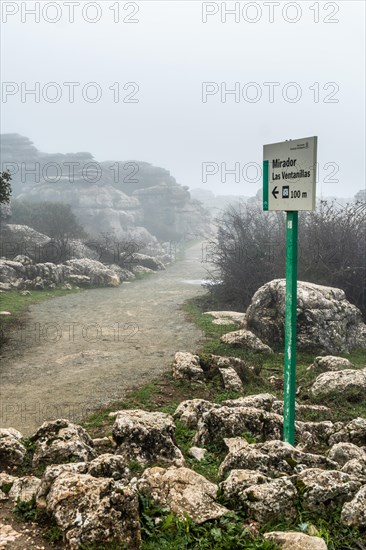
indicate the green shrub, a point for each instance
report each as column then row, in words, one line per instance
column 54, row 219
column 250, row 250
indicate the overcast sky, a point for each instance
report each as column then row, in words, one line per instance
column 169, row 52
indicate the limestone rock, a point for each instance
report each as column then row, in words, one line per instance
column 354, row 512
column 197, row 453
column 295, row 541
column 98, row 273
column 348, row 382
column 6, row 479
column 330, row 363
column 141, row 270
column 58, row 441
column 343, row 452
column 147, row 261
column 190, row 411
column 183, row 491
column 264, row 401
column 12, row 450
column 93, row 510
column 24, row 260
column 6, row 482
column 231, row 379
column 239, row 480
column 234, row 362
column 314, row 434
column 356, row 468
column 147, row 437
column 24, row 488
column 245, row 339
column 23, row 241
column 109, row 465
column 186, row 366
column 325, row 490
column 227, row 317
column 352, row 432
column 54, row 471
column 222, row 422
column 81, row 272
column 326, row 321
column 273, row 458
column 275, row 500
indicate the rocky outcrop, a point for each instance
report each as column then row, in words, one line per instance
column 226, row 317
column 24, row 488
column 239, row 480
column 22, row 273
column 83, row 272
column 326, row 490
column 90, row 510
column 60, row 441
column 92, row 488
column 12, row 450
column 344, row 452
column 265, row 401
column 147, row 437
column 272, row 458
column 189, row 412
column 183, row 491
column 349, row 383
column 352, row 432
column 357, row 468
column 225, row 422
column 231, row 380
column 326, row 321
column 200, row 369
column 354, row 512
column 245, row 339
column 330, row 363
column 295, row 541
column 186, row 366
column 265, row 502
column 109, row 465
column 134, row 200
column 21, row 241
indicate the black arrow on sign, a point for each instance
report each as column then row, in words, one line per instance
column 275, row 192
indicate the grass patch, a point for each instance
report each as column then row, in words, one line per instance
column 54, row 534
column 26, row 510
column 163, row 530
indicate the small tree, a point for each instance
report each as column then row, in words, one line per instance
column 5, row 194
column 5, row 187
column 54, row 219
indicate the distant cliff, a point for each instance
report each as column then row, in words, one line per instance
column 131, row 199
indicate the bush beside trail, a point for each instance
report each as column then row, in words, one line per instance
column 250, row 250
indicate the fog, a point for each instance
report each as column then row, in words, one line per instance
column 150, row 70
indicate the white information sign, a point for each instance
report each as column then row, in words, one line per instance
column 291, row 181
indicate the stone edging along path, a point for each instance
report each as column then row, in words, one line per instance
column 78, row 352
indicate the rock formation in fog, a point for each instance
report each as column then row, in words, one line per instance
column 131, row 199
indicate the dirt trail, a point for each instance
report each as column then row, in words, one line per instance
column 81, row 351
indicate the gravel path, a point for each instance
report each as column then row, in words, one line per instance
column 81, row 351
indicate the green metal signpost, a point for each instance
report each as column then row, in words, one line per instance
column 292, row 163
column 290, row 328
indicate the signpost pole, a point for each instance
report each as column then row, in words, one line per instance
column 290, row 327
